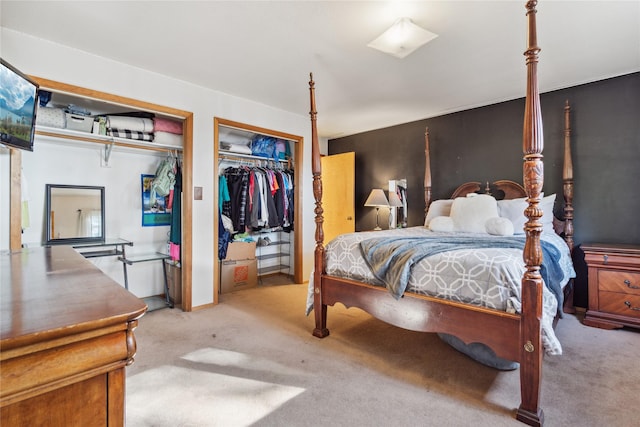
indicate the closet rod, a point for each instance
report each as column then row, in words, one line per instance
column 240, row 156
column 259, row 131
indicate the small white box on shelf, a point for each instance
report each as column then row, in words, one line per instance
column 79, row 123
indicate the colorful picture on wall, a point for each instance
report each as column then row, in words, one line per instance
column 154, row 212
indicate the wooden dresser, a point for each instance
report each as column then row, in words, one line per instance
column 66, row 338
column 614, row 285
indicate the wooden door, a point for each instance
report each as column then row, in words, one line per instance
column 338, row 189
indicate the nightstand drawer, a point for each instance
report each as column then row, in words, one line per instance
column 617, row 303
column 619, row 281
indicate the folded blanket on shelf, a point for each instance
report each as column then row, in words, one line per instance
column 166, row 125
column 137, row 124
column 168, row 138
column 142, row 114
column 51, row 117
column 130, row 134
column 236, row 148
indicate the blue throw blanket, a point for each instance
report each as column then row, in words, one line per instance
column 391, row 259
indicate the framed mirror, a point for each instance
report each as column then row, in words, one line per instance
column 75, row 214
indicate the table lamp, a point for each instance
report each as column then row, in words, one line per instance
column 378, row 200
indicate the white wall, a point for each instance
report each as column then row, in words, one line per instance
column 60, row 63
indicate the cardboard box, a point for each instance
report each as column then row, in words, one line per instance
column 241, row 251
column 236, row 275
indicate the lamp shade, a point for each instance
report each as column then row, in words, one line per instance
column 394, row 200
column 377, row 198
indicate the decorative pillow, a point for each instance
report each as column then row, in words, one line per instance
column 471, row 213
column 441, row 223
column 438, row 208
column 514, row 210
column 547, row 213
column 499, row 226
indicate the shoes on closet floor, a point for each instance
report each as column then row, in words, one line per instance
column 263, row 241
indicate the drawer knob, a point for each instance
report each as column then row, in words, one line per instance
column 628, row 283
column 605, row 259
column 628, row 304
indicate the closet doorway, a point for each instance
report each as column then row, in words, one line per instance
column 232, row 148
column 105, row 102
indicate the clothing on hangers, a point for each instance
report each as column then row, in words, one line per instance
column 259, row 197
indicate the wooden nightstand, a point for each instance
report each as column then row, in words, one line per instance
column 614, row 285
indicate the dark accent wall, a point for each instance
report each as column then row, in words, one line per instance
column 485, row 144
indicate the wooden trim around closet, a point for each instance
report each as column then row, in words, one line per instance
column 187, row 213
column 15, row 204
column 109, row 98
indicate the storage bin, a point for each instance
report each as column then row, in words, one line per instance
column 174, row 283
column 79, row 123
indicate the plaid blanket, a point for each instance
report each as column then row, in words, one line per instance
column 130, row 134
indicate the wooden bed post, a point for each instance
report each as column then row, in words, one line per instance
column 427, row 172
column 567, row 179
column 529, row 411
column 319, row 309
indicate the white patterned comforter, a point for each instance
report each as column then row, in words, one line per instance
column 485, row 277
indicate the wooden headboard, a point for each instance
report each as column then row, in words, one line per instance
column 502, row 189
column 506, row 189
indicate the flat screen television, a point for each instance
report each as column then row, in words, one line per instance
column 18, row 102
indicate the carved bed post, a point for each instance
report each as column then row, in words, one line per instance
column 567, row 179
column 427, row 172
column 529, row 411
column 319, row 309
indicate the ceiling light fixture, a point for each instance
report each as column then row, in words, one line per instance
column 402, row 38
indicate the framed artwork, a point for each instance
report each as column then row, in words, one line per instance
column 157, row 213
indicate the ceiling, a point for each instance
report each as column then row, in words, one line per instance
column 264, row 50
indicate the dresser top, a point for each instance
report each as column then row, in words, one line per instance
column 622, row 249
column 53, row 292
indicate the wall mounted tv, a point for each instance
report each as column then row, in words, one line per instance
column 18, row 99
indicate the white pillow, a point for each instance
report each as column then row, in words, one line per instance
column 438, row 208
column 499, row 226
column 514, row 211
column 471, row 213
column 547, row 213
column 441, row 223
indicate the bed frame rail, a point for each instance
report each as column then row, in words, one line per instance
column 423, row 313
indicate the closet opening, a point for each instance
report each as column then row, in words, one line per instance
column 257, row 229
column 119, row 164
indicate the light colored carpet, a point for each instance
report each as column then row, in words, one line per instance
column 252, row 361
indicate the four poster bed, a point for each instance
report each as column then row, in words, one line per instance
column 517, row 324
